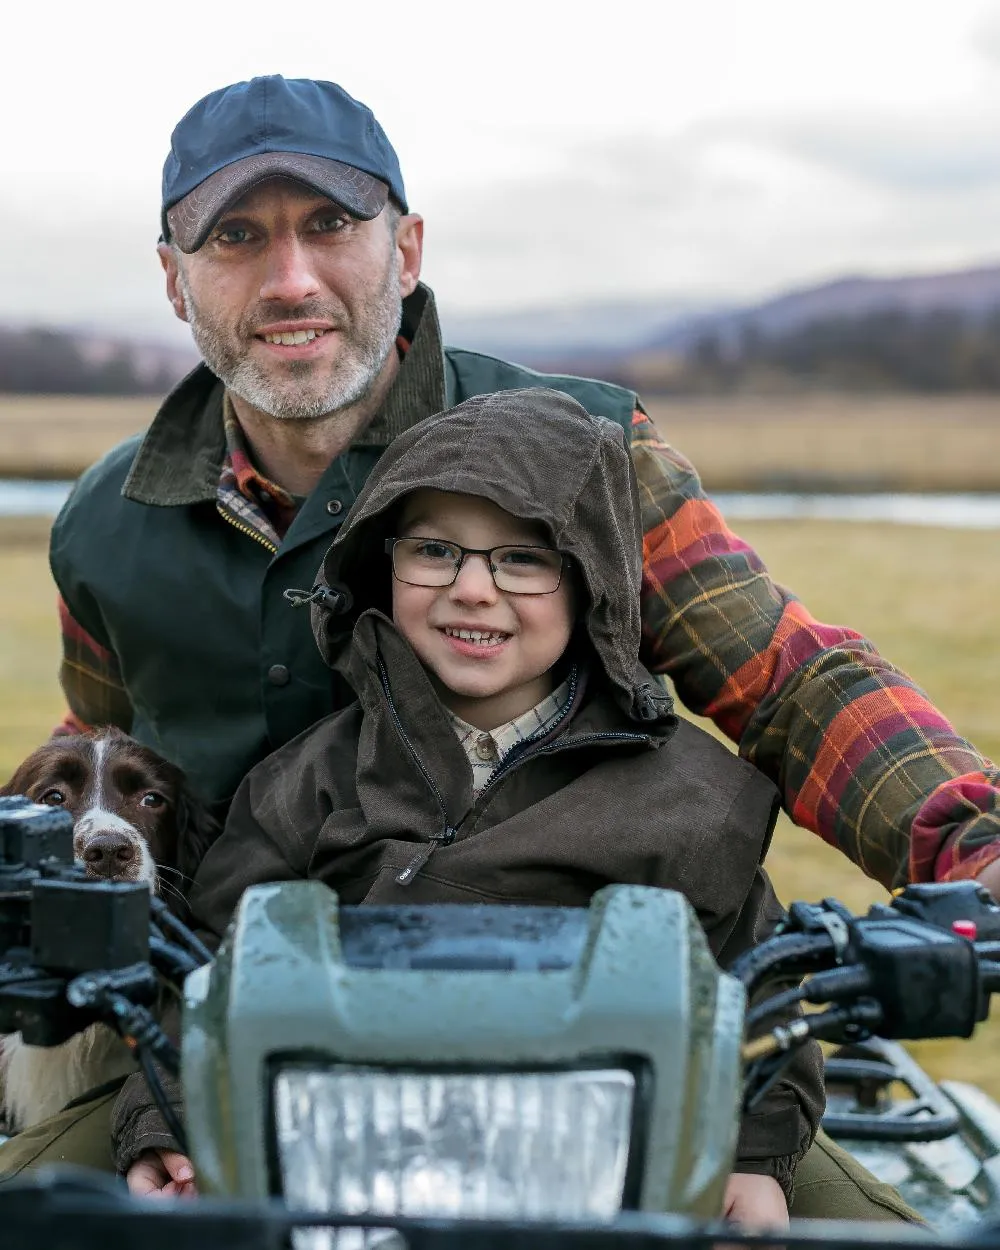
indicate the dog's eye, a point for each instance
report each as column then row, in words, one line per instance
column 152, row 799
column 54, row 798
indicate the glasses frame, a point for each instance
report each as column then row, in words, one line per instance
column 485, row 552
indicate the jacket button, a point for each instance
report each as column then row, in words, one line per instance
column 486, row 748
column 278, row 675
column 333, row 506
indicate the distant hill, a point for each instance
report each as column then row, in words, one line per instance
column 610, row 328
column 46, row 361
column 926, row 332
column 617, row 329
column 971, row 293
column 933, row 332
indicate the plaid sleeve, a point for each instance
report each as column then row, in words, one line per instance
column 91, row 680
column 859, row 753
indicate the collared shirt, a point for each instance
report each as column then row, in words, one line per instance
column 485, row 750
column 859, row 753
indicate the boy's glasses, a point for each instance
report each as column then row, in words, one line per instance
column 516, row 570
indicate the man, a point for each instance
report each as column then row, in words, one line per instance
column 289, row 248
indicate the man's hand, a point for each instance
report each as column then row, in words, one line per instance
column 755, row 1202
column 162, row 1174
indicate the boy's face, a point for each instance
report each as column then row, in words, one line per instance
column 486, row 681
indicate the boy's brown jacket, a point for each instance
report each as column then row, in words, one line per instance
column 377, row 800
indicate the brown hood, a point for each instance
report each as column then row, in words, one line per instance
column 540, row 456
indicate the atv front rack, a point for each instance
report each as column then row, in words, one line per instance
column 72, row 1211
column 860, row 1101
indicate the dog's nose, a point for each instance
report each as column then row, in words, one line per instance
column 109, row 855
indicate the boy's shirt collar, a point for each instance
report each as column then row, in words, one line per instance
column 485, row 750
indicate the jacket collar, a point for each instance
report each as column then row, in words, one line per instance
column 180, row 459
column 398, row 699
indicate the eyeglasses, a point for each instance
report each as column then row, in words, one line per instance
column 516, row 570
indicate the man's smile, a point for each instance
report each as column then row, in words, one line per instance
column 294, row 340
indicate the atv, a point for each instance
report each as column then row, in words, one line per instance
column 489, row 1077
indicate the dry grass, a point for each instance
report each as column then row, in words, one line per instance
column 739, row 443
column 844, row 442
column 57, row 436
column 929, row 598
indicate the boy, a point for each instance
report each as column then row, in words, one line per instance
column 482, row 600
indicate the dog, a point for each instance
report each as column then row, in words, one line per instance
column 135, row 819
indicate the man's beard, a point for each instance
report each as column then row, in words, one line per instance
column 302, row 390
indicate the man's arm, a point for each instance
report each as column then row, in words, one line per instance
column 859, row 753
column 91, row 680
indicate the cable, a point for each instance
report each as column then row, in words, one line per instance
column 179, row 929
column 170, row 959
column 832, row 985
column 767, row 1056
column 791, row 952
column 778, row 1002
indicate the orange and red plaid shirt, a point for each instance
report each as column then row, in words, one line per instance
column 859, row 753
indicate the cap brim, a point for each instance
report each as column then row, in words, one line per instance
column 190, row 221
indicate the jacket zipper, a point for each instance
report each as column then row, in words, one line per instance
column 522, row 752
column 509, row 765
column 246, row 529
column 406, row 875
column 413, row 868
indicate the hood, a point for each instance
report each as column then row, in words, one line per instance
column 540, row 456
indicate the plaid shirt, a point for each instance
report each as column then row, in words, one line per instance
column 485, row 751
column 860, row 755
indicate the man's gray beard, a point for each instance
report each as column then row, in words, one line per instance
column 365, row 348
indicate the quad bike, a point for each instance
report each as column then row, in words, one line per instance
column 428, row 1078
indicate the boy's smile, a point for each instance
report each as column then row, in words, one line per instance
column 489, row 651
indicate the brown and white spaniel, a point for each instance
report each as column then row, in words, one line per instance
column 134, row 820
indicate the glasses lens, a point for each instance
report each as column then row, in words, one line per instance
column 527, row 570
column 425, row 561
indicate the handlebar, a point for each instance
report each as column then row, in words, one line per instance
column 74, row 951
column 924, row 965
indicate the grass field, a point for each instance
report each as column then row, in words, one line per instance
column 841, row 442
column 928, row 598
column 57, row 436
column 739, row 443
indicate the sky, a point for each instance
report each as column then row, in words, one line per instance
column 560, row 151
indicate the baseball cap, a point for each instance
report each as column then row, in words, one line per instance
column 272, row 127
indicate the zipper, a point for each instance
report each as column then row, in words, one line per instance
column 507, row 766
column 511, row 761
column 517, row 751
column 406, row 875
column 246, row 529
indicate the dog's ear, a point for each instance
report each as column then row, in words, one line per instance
column 197, row 829
column 18, row 784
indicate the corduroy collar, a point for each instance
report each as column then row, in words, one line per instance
column 181, row 457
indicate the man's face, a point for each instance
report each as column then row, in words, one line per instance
column 293, row 304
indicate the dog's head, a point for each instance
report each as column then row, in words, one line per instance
column 134, row 817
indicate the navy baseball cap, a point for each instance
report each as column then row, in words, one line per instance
column 274, row 127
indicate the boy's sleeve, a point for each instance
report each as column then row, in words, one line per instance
column 250, row 851
column 858, row 752
column 782, row 1126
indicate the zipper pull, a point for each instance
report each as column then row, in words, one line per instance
column 407, row 875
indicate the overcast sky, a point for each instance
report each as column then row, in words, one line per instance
column 559, row 150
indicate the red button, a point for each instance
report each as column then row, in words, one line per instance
column 964, row 928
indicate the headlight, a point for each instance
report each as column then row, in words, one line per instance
column 532, row 1145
